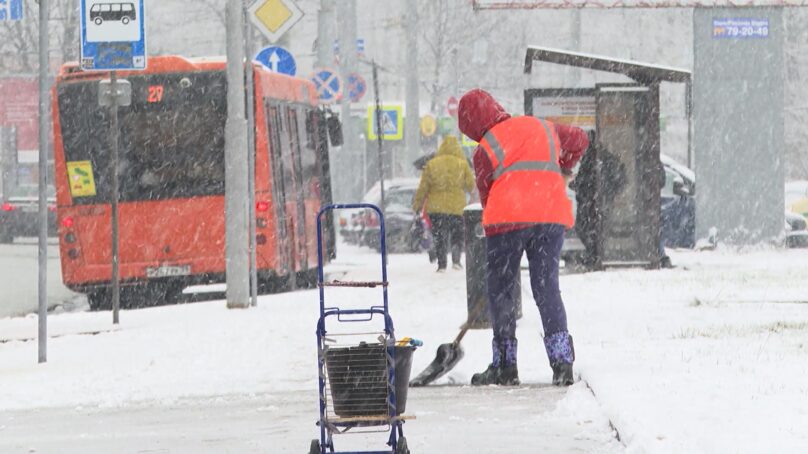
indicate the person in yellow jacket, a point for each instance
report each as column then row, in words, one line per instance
column 445, row 181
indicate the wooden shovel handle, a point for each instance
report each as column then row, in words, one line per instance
column 465, row 327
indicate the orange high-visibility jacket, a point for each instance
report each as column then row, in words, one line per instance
column 528, row 186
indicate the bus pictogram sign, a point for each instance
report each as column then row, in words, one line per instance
column 113, row 35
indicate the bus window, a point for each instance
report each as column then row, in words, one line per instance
column 274, row 126
column 310, row 165
column 168, row 149
column 294, row 142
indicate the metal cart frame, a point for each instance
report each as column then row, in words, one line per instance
column 331, row 425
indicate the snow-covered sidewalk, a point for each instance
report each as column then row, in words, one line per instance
column 708, row 357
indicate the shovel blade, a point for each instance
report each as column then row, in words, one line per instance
column 447, row 357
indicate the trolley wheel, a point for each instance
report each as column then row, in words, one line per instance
column 401, row 447
column 315, row 447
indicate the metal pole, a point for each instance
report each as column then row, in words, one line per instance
column 325, row 33
column 346, row 16
column 249, row 51
column 236, row 166
column 412, row 132
column 380, row 137
column 379, row 131
column 689, row 115
column 113, row 139
column 44, row 96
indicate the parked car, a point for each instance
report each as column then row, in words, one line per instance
column 350, row 225
column 678, row 210
column 19, row 213
column 796, row 196
column 400, row 220
column 796, row 230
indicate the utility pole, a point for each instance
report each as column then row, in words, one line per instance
column 348, row 64
column 44, row 97
column 115, row 218
column 379, row 130
column 325, row 33
column 412, row 135
column 236, row 165
column 249, row 50
column 576, row 44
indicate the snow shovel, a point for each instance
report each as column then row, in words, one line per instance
column 447, row 357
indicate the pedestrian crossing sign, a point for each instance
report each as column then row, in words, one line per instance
column 392, row 122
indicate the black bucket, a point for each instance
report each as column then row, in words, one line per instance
column 358, row 379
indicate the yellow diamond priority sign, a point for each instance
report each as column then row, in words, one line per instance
column 274, row 17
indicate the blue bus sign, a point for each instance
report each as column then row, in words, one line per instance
column 113, row 35
column 10, row 10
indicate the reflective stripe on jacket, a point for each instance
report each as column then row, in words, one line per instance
column 528, row 187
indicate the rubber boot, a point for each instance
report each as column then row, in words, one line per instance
column 502, row 370
column 561, row 353
column 491, row 375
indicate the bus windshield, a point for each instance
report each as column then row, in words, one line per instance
column 171, row 137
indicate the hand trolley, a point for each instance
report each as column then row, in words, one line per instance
column 362, row 385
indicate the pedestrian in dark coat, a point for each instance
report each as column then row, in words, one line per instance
column 587, row 188
column 520, row 168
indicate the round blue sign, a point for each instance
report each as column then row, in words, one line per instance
column 329, row 85
column 277, row 59
column 356, row 87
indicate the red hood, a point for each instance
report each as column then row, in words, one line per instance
column 478, row 112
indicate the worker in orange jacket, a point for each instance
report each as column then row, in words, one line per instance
column 521, row 166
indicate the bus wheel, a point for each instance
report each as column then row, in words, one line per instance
column 98, row 21
column 307, row 279
column 272, row 283
column 100, row 299
column 125, row 20
column 167, row 292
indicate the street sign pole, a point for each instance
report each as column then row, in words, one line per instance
column 44, row 66
column 113, row 142
column 411, row 130
column 236, row 166
column 379, row 130
column 248, row 50
column 96, row 55
column 380, row 137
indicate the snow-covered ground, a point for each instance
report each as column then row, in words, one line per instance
column 708, row 357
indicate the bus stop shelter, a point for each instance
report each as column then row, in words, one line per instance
column 624, row 118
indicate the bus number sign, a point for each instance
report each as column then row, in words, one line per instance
column 155, row 93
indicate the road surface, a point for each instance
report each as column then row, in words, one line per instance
column 19, row 274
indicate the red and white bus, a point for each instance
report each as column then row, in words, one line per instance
column 171, row 172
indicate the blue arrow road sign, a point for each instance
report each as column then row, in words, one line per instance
column 277, row 59
column 329, row 85
column 10, row 10
column 113, row 35
column 356, row 87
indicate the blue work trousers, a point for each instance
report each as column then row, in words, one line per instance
column 542, row 243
